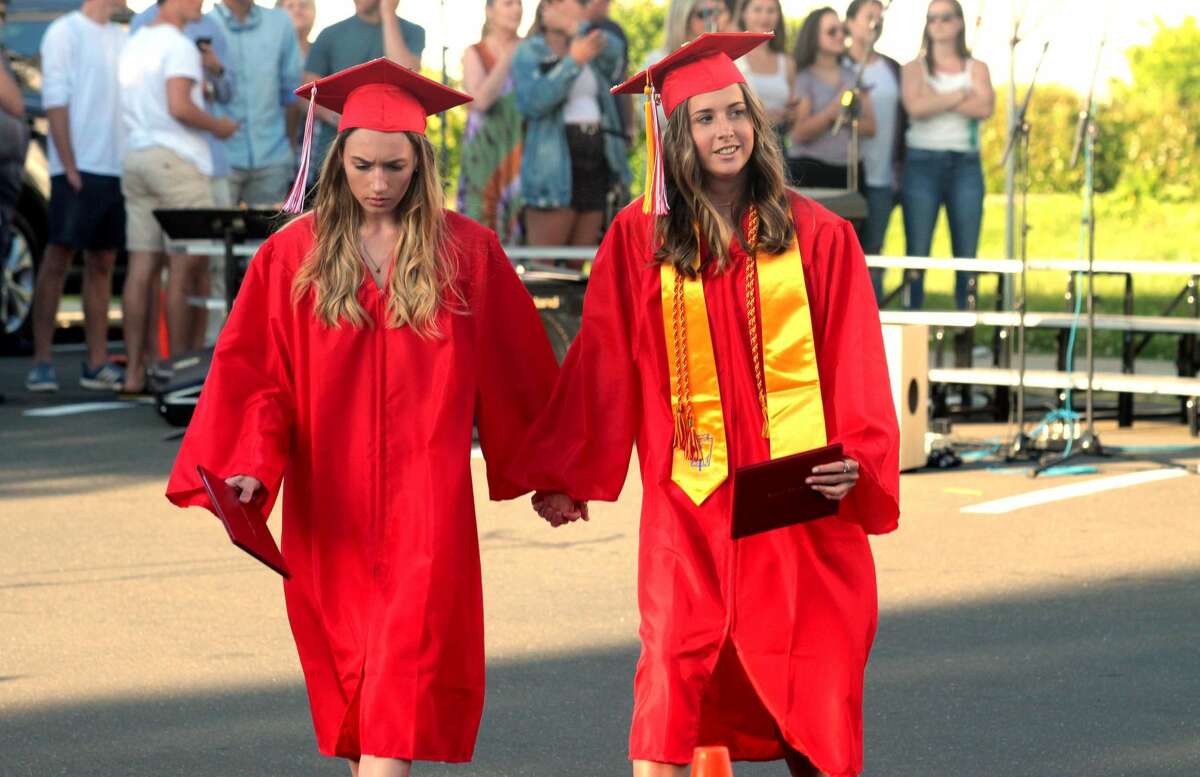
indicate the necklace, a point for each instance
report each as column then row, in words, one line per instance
column 376, row 266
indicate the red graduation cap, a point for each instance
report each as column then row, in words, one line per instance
column 377, row 95
column 699, row 66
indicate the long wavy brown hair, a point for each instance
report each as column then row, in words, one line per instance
column 779, row 42
column 960, row 40
column 692, row 210
column 421, row 281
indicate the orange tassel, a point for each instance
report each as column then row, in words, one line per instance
column 654, row 197
column 685, row 437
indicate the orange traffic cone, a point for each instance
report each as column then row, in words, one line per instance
column 164, row 338
column 711, row 762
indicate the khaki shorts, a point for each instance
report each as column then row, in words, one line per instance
column 158, row 178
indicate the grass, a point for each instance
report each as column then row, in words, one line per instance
column 1125, row 229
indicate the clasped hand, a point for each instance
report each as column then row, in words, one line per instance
column 558, row 508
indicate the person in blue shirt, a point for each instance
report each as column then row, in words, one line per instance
column 374, row 31
column 265, row 60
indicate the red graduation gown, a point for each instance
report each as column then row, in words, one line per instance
column 371, row 428
column 790, row 613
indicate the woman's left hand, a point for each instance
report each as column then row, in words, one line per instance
column 834, row 480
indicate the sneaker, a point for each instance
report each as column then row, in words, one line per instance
column 42, row 378
column 106, row 377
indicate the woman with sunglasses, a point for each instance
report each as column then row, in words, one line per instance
column 728, row 322
column 817, row 157
column 688, row 20
column 947, row 94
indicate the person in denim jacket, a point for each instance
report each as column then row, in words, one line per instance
column 574, row 144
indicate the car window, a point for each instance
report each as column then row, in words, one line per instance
column 24, row 38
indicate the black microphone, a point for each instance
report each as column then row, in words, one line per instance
column 849, row 98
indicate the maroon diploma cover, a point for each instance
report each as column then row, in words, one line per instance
column 773, row 494
column 245, row 523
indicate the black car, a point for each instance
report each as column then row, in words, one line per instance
column 22, row 38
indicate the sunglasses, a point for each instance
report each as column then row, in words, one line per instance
column 944, row 18
column 704, row 13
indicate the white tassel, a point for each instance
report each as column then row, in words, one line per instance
column 295, row 199
column 659, row 185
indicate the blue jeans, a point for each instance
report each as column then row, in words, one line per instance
column 932, row 179
column 871, row 233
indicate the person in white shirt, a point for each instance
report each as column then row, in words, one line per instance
column 79, row 54
column 167, row 165
column 948, row 94
column 769, row 71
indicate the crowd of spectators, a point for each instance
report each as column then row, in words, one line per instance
column 179, row 110
column 190, row 110
column 546, row 146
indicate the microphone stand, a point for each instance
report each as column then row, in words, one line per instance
column 850, row 102
column 1085, row 137
column 444, row 151
column 1018, row 140
column 849, row 98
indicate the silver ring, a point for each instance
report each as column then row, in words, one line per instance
column 845, row 466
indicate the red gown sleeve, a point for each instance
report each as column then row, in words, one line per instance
column 582, row 441
column 242, row 423
column 516, row 368
column 854, row 378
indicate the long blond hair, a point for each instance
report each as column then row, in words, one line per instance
column 421, row 281
column 692, row 210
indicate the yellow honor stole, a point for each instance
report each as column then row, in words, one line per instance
column 785, row 367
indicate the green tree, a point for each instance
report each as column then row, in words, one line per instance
column 1052, row 116
column 1170, row 61
column 1157, row 117
column 1159, row 138
column 452, row 124
column 644, row 22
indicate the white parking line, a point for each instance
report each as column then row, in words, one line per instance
column 1058, row 493
column 77, row 409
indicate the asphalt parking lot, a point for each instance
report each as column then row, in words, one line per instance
column 1053, row 638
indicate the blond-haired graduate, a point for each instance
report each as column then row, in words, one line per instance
column 367, row 337
column 728, row 322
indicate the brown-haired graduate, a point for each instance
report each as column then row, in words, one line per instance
column 727, row 322
column 367, row 336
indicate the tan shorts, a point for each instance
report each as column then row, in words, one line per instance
column 153, row 178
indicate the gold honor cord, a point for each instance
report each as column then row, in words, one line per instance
column 785, row 367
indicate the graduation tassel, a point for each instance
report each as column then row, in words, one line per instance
column 295, row 199
column 654, row 198
column 685, row 437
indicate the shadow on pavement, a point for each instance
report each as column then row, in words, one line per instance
column 1101, row 680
